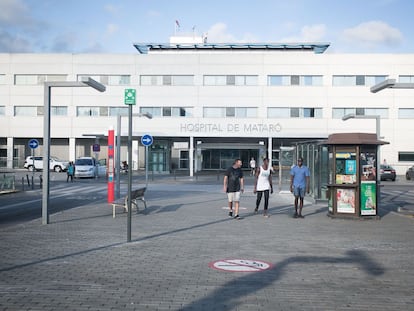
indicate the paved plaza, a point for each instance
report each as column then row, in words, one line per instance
column 180, row 247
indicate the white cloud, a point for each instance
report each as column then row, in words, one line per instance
column 11, row 11
column 111, row 29
column 218, row 33
column 63, row 43
column 308, row 33
column 373, row 34
column 13, row 44
column 112, row 9
column 154, row 14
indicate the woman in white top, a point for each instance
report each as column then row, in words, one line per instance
column 263, row 185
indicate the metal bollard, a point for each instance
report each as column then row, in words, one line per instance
column 28, row 181
column 175, row 175
column 22, row 183
column 41, row 181
column 32, row 182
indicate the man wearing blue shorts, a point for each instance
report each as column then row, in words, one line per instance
column 299, row 184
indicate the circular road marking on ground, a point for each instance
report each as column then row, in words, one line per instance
column 240, row 265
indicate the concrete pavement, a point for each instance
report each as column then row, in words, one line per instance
column 81, row 261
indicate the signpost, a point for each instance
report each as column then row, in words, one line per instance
column 146, row 140
column 33, row 144
column 129, row 99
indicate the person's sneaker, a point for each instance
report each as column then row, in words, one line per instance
column 230, row 214
column 266, row 215
column 301, row 216
column 295, row 215
column 237, row 217
column 256, row 210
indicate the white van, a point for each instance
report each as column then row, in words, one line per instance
column 36, row 163
column 88, row 167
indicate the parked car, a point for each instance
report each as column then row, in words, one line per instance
column 387, row 172
column 36, row 163
column 89, row 167
column 409, row 175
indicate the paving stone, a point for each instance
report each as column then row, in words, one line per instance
column 81, row 261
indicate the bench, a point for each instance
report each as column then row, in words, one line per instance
column 136, row 195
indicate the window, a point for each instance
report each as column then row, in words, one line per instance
column 87, row 111
column 229, row 112
column 273, row 112
column 338, row 113
column 214, row 80
column 312, row 112
column 184, row 158
column 350, row 80
column 246, row 112
column 213, row 112
column 401, row 79
column 59, row 111
column 360, row 80
column 406, row 113
column 118, row 111
column 180, row 112
column 37, row 79
column 108, row 79
column 278, row 112
column 2, row 110
column 168, row 111
column 2, row 79
column 230, row 80
column 25, row 111
column 158, row 80
column 305, row 80
column 294, row 80
column 183, row 80
column 294, row 112
column 406, row 156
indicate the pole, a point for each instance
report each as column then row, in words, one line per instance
column 46, row 155
column 146, row 166
column 118, row 158
column 129, row 173
column 378, row 164
column 33, row 162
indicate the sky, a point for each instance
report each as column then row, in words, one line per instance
column 113, row 26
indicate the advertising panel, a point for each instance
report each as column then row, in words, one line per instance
column 345, row 201
column 368, row 198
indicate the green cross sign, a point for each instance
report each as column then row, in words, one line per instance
column 130, row 96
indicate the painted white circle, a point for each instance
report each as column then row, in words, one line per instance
column 240, row 265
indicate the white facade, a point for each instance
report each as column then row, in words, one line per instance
column 207, row 99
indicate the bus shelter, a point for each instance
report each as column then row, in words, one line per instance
column 352, row 175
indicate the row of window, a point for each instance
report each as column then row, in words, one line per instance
column 211, row 112
column 214, row 80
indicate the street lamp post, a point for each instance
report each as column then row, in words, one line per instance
column 46, row 134
column 377, row 130
column 118, row 151
column 130, row 114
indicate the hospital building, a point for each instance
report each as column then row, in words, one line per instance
column 211, row 103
